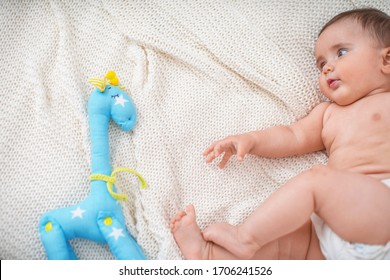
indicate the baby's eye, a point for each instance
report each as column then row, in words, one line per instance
column 341, row 52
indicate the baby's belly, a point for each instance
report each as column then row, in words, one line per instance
column 372, row 163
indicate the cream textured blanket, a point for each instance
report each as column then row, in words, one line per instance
column 196, row 70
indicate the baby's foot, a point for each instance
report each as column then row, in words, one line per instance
column 188, row 235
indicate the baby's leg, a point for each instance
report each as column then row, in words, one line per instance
column 298, row 245
column 193, row 246
column 355, row 206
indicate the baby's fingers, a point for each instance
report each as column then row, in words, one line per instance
column 210, row 157
column 209, row 150
column 212, row 152
column 224, row 159
column 241, row 152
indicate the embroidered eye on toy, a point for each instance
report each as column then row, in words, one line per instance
column 99, row 217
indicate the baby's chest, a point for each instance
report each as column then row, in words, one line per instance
column 348, row 125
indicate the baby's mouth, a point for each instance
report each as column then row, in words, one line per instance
column 333, row 83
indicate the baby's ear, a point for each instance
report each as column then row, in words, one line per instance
column 386, row 60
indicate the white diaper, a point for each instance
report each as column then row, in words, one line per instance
column 335, row 248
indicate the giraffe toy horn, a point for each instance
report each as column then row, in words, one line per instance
column 113, row 79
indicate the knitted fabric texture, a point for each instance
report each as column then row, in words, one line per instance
column 196, row 71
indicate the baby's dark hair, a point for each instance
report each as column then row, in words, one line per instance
column 376, row 22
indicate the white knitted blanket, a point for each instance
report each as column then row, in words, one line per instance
column 196, row 70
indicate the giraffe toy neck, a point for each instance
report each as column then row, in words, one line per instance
column 100, row 150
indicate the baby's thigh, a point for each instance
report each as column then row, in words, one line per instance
column 354, row 205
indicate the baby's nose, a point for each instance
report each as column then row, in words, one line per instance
column 327, row 68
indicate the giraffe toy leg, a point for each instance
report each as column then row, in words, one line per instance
column 54, row 241
column 122, row 244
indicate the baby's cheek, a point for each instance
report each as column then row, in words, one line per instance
column 323, row 85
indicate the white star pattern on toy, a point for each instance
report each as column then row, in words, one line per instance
column 120, row 101
column 78, row 213
column 116, row 232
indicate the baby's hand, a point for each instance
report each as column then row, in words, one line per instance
column 238, row 145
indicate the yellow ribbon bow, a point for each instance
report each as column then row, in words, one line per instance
column 112, row 179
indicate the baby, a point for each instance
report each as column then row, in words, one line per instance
column 337, row 211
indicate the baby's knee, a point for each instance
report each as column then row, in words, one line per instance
column 311, row 178
column 317, row 172
column 320, row 169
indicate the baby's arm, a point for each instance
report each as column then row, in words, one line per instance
column 301, row 137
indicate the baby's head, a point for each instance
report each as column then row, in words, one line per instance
column 375, row 22
column 353, row 55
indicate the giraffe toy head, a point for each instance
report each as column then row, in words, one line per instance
column 109, row 99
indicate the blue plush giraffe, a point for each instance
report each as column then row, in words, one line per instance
column 98, row 218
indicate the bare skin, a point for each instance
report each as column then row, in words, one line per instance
column 354, row 129
column 292, row 246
